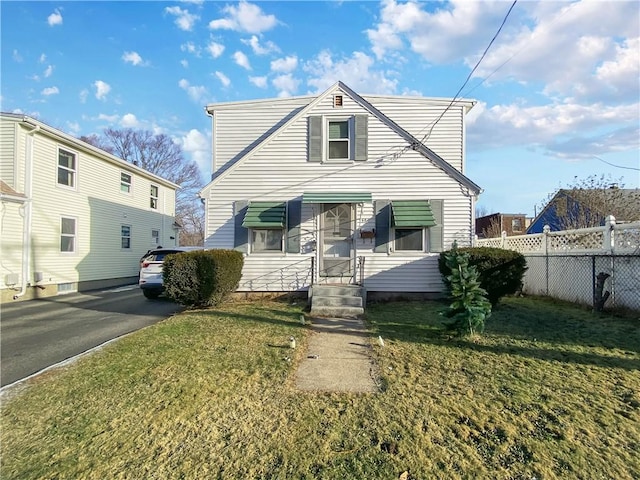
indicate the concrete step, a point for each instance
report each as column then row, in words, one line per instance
column 335, row 290
column 338, row 312
column 336, row 301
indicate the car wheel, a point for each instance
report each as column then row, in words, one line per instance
column 151, row 294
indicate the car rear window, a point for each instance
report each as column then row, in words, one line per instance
column 159, row 256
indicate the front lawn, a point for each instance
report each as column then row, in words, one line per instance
column 550, row 391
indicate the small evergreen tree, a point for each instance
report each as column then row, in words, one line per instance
column 469, row 306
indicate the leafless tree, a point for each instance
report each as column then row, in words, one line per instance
column 493, row 230
column 160, row 155
column 481, row 211
column 586, row 202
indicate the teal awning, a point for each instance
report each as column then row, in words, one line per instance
column 412, row 213
column 265, row 215
column 336, row 197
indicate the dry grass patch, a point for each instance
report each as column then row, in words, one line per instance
column 550, row 391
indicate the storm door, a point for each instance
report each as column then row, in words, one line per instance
column 336, row 237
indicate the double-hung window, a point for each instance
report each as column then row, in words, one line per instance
column 125, row 236
column 67, row 234
column 266, row 222
column 338, row 140
column 125, row 182
column 67, row 168
column 155, row 237
column 154, row 197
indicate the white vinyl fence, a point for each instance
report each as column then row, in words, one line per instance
column 581, row 265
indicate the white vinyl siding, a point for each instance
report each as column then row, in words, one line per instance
column 8, row 152
column 96, row 203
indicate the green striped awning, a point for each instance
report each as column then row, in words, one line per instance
column 412, row 213
column 336, row 197
column 265, row 215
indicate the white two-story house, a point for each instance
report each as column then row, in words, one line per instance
column 340, row 188
column 74, row 217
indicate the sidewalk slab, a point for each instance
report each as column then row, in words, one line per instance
column 338, row 358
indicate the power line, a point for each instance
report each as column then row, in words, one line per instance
column 617, row 166
column 504, row 20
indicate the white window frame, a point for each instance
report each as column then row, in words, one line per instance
column 349, row 140
column 73, row 236
column 123, row 237
column 520, row 225
column 126, row 187
column 425, row 239
column 71, row 172
column 253, row 231
column 155, row 236
column 154, row 200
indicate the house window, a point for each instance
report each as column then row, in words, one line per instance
column 266, row 240
column 409, row 239
column 154, row 197
column 125, row 182
column 66, row 168
column 67, row 234
column 338, row 138
column 516, row 225
column 155, row 237
column 125, row 236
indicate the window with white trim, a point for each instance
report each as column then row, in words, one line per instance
column 125, row 236
column 155, row 237
column 154, row 197
column 68, row 234
column 67, row 168
column 516, row 225
column 125, row 182
column 266, row 239
column 409, row 239
column 338, row 144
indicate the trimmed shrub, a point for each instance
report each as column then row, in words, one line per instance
column 500, row 271
column 202, row 277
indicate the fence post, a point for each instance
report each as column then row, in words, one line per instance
column 545, row 244
column 609, row 234
column 503, row 240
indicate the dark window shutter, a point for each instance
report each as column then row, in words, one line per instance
column 240, row 234
column 361, row 144
column 315, row 139
column 383, row 225
column 294, row 217
column 436, row 241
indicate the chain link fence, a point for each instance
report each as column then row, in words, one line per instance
column 601, row 281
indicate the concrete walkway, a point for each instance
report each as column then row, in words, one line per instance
column 338, row 358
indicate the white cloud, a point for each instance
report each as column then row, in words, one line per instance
column 258, row 49
column 73, row 127
column 102, row 89
column 184, row 63
column 198, row 146
column 108, row 118
column 197, row 93
column 223, row 79
column 133, row 58
column 129, row 120
column 287, row 85
column 260, row 82
column 48, row 71
column 242, row 60
column 215, row 49
column 356, row 72
column 184, row 20
column 285, row 65
column 16, row 56
column 245, row 17
column 55, row 18
column 84, row 93
column 190, row 47
column 50, row 91
column 43, row 58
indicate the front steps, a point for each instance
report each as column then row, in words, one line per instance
column 337, row 300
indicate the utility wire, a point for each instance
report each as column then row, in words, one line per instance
column 504, row 20
column 617, row 166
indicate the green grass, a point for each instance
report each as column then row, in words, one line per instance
column 550, row 391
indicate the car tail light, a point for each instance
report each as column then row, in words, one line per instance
column 145, row 264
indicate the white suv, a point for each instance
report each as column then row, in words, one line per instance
column 150, row 280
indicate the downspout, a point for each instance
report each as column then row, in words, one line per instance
column 28, row 206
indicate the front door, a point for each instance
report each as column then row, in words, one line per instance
column 336, row 237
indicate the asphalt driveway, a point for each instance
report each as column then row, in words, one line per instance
column 36, row 334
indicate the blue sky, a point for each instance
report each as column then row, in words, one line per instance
column 558, row 92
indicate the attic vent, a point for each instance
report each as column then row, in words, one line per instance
column 337, row 100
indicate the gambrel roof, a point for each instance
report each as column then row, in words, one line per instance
column 311, row 102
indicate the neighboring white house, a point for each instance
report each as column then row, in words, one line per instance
column 74, row 217
column 340, row 188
